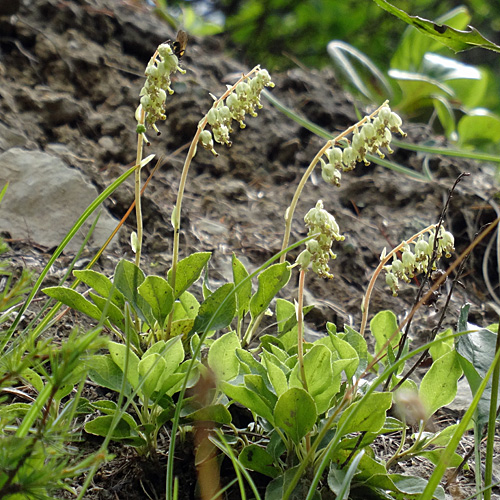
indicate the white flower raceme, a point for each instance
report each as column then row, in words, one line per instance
column 417, row 262
column 319, row 249
column 245, row 99
column 154, row 92
column 375, row 133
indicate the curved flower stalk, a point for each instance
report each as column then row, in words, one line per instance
column 411, row 263
column 150, row 110
column 369, row 135
column 239, row 99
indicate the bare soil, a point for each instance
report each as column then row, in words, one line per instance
column 70, row 74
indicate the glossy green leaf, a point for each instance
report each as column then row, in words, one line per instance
column 249, row 364
column 439, row 385
column 73, row 299
column 454, row 39
column 440, row 349
column 370, row 416
column 415, row 44
column 101, row 284
column 256, row 458
column 113, row 313
column 186, row 307
column 244, row 292
column 276, row 376
column 418, row 89
column 171, row 351
column 384, row 326
column 189, row 271
column 124, row 430
column 271, row 281
column 119, row 353
column 295, row 413
column 159, row 295
column 218, row 414
column 319, row 376
column 257, row 384
column 478, row 128
column 128, row 278
column 476, row 352
column 346, row 351
column 217, row 311
column 250, row 399
column 106, row 373
column 222, row 356
column 151, row 369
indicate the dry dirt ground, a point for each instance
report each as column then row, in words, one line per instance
column 70, row 74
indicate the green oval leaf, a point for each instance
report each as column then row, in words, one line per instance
column 101, row 284
column 159, row 295
column 128, row 278
column 244, row 292
column 256, row 458
column 74, row 300
column 222, row 356
column 211, row 315
column 271, row 281
column 370, row 415
column 189, row 270
column 151, row 369
column 295, row 413
column 439, row 385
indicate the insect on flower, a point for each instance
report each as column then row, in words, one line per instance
column 179, row 46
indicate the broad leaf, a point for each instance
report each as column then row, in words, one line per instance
column 222, row 356
column 456, row 40
column 244, row 292
column 256, row 458
column 295, row 413
column 217, row 311
column 128, row 278
column 271, row 281
column 189, row 270
column 106, row 373
column 159, row 295
column 101, row 284
column 74, row 300
column 370, row 416
column 248, row 398
column 119, row 354
column 439, row 385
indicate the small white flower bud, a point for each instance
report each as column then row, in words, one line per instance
column 393, row 283
column 349, row 158
column 335, row 156
column 395, row 123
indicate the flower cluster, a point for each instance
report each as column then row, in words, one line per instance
column 417, row 262
column 375, row 133
column 318, row 250
column 154, row 92
column 245, row 99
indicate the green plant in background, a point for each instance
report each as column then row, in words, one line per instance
column 430, row 85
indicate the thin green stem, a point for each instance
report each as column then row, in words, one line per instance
column 138, row 208
column 291, row 209
column 300, row 328
column 490, row 441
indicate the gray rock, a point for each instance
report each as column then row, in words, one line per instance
column 45, row 198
